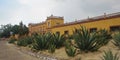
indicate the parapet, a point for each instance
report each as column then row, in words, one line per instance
column 55, row 17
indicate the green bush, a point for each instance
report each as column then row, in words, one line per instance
column 41, row 42
column 70, row 50
column 58, row 40
column 87, row 41
column 109, row 56
column 116, row 39
column 12, row 40
column 52, row 48
column 25, row 41
column 104, row 35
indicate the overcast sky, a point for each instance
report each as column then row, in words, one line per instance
column 35, row 11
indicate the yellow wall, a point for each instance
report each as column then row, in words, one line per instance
column 43, row 27
column 38, row 28
column 53, row 20
column 101, row 24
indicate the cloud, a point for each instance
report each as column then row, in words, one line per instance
column 99, row 6
column 13, row 11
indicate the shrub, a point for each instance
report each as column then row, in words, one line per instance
column 24, row 41
column 52, row 48
column 87, row 41
column 70, row 50
column 109, row 56
column 116, row 39
column 58, row 40
column 41, row 42
column 12, row 40
column 104, row 35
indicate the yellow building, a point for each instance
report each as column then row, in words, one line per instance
column 54, row 24
column 45, row 26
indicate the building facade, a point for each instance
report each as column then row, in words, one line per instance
column 54, row 24
column 45, row 26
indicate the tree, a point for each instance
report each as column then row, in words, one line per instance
column 21, row 29
column 5, row 30
column 15, row 29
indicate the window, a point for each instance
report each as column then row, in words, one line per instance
column 76, row 31
column 93, row 30
column 57, row 23
column 114, row 28
column 48, row 24
column 49, row 31
column 66, row 32
column 57, row 32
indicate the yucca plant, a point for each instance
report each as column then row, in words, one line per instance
column 87, row 41
column 110, row 56
column 116, row 39
column 41, row 42
column 70, row 50
column 58, row 40
column 104, row 35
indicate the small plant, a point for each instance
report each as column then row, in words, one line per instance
column 24, row 41
column 70, row 50
column 116, row 39
column 109, row 56
column 52, row 48
column 12, row 40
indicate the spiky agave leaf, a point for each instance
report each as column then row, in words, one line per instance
column 110, row 56
column 87, row 41
column 116, row 39
column 41, row 42
column 52, row 48
column 58, row 40
column 104, row 35
column 70, row 50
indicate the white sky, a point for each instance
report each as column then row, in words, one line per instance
column 35, row 11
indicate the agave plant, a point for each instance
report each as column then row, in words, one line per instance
column 52, row 48
column 87, row 41
column 109, row 56
column 41, row 42
column 70, row 50
column 116, row 39
column 104, row 36
column 58, row 40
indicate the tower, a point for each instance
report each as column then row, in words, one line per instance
column 52, row 21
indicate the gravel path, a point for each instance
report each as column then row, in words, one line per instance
column 10, row 53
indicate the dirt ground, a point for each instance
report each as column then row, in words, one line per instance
column 8, row 52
